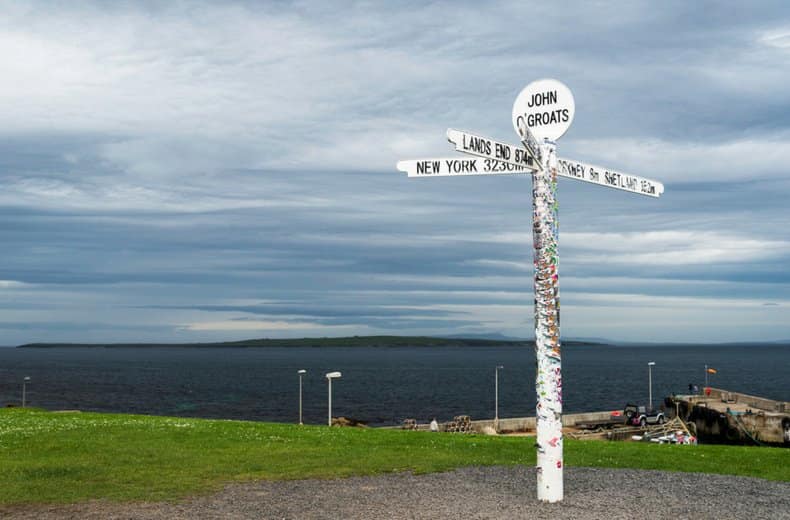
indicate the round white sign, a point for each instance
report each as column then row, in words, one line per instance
column 546, row 107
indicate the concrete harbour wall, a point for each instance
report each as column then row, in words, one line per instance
column 524, row 424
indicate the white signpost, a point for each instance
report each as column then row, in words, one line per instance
column 542, row 113
column 546, row 109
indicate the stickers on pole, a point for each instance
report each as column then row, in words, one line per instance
column 545, row 107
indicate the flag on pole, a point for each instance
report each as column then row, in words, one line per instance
column 711, row 371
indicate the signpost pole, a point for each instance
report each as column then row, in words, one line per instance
column 548, row 379
column 542, row 113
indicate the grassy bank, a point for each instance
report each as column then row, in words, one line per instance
column 66, row 457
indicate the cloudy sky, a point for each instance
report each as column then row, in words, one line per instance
column 194, row 171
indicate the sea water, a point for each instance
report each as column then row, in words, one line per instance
column 379, row 385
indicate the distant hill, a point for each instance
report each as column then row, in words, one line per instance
column 354, row 341
column 492, row 336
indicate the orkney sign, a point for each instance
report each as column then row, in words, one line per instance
column 458, row 166
column 546, row 108
column 488, row 148
column 608, row 177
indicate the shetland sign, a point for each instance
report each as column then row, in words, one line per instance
column 458, row 166
column 490, row 149
column 608, row 177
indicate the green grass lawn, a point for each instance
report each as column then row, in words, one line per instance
column 68, row 457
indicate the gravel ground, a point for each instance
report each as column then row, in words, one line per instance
column 470, row 493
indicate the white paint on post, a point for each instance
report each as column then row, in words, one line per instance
column 548, row 379
column 610, row 178
column 458, row 166
column 490, row 149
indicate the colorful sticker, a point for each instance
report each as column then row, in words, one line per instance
column 548, row 380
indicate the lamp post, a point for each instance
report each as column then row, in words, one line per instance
column 329, row 377
column 301, row 373
column 496, row 396
column 25, row 381
column 650, row 366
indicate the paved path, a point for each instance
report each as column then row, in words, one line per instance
column 470, row 493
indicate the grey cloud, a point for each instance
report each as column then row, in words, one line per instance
column 328, row 312
column 246, row 152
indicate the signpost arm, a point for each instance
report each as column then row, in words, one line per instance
column 548, row 379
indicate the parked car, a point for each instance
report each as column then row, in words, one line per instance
column 640, row 416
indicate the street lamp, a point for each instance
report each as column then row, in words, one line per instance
column 301, row 373
column 496, row 396
column 25, row 381
column 650, row 366
column 329, row 377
